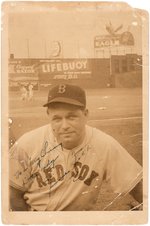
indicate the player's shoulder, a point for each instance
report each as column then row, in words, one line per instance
column 36, row 135
column 99, row 137
column 31, row 143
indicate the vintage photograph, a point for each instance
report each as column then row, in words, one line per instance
column 75, row 116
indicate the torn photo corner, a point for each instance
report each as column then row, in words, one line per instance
column 82, row 158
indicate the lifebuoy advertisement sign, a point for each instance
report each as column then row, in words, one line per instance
column 47, row 69
column 65, row 68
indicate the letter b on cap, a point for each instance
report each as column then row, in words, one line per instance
column 62, row 88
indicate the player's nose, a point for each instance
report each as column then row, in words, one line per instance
column 64, row 124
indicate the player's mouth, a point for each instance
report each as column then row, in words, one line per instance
column 66, row 133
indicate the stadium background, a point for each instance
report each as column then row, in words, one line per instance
column 112, row 78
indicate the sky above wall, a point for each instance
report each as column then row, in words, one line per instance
column 32, row 28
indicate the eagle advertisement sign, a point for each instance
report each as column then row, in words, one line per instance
column 113, row 39
column 124, row 39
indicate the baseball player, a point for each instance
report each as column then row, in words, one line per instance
column 61, row 165
column 24, row 93
column 30, row 92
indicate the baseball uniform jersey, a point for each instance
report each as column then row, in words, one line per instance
column 54, row 178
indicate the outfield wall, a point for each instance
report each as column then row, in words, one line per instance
column 119, row 71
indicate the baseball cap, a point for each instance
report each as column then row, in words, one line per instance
column 66, row 93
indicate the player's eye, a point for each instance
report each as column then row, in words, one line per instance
column 56, row 119
column 72, row 117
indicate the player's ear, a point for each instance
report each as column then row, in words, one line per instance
column 48, row 111
column 86, row 112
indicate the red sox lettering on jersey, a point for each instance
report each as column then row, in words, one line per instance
column 79, row 171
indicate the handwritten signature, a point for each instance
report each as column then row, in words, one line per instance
column 38, row 161
column 50, row 164
column 43, row 153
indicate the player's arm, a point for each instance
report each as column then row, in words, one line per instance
column 125, row 172
column 17, row 202
column 137, row 192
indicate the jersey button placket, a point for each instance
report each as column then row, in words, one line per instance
column 67, row 177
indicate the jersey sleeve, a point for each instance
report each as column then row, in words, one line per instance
column 122, row 170
column 19, row 168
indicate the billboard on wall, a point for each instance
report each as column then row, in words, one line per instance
column 45, row 69
column 65, row 69
column 22, row 71
column 48, row 71
column 124, row 39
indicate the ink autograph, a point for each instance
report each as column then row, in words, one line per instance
column 77, row 172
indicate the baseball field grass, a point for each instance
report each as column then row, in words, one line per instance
column 116, row 111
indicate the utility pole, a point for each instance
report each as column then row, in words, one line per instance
column 45, row 48
column 27, row 40
column 9, row 46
